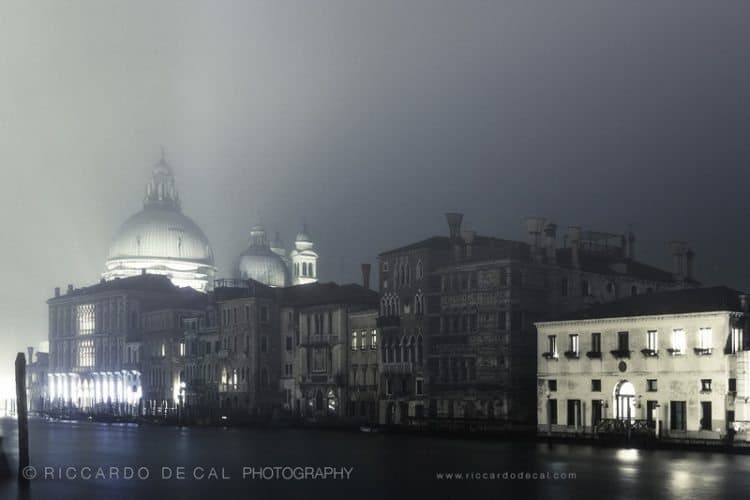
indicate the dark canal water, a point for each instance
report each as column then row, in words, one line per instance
column 384, row 466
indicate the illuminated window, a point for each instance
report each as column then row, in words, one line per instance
column 163, row 350
column 374, row 339
column 354, row 341
column 86, row 353
column 736, row 340
column 363, row 340
column 182, row 348
column 652, row 340
column 678, row 341
column 574, row 343
column 86, row 319
column 705, row 340
column 552, row 346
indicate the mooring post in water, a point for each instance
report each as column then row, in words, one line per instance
column 23, row 419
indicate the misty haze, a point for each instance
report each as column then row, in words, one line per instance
column 475, row 237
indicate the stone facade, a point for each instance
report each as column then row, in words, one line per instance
column 684, row 366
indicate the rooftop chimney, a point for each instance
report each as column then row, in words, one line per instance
column 454, row 224
column 678, row 249
column 468, row 237
column 534, row 228
column 630, row 246
column 70, row 288
column 366, row 275
column 574, row 239
column 743, row 303
column 143, row 272
column 57, row 291
column 689, row 259
column 30, row 350
column 550, row 242
column 102, row 280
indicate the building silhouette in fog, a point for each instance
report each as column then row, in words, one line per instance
column 457, row 312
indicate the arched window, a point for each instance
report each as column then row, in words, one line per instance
column 264, row 377
column 412, row 347
column 420, row 270
column 304, row 269
column 420, row 351
column 400, row 350
column 354, row 340
column 311, row 269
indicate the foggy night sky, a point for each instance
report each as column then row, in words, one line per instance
column 369, row 119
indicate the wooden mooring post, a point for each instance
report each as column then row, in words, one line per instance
column 23, row 418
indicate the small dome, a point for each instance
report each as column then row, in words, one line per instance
column 260, row 263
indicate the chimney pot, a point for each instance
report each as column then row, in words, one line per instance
column 57, row 291
column 454, row 224
column 366, row 275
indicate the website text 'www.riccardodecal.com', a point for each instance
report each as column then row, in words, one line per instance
column 505, row 476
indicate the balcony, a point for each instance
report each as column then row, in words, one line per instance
column 621, row 353
column 388, row 321
column 703, row 351
column 222, row 353
column 594, row 354
column 403, row 368
column 650, row 353
column 550, row 355
column 571, row 354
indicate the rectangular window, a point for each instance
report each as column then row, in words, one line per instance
column 574, row 412
column 706, row 416
column 596, row 342
column 419, row 387
column 502, row 318
column 596, row 411
column 651, row 415
column 574, row 344
column 552, row 346
column 182, row 349
column 86, row 314
column 677, row 415
column 264, row 344
column 596, row 385
column 706, row 385
column 651, row 385
column 552, row 411
column 622, row 342
column 363, row 341
column 354, row 340
column 678, row 341
column 86, row 353
column 735, row 340
column 705, row 340
column 552, row 385
column 564, row 287
column 264, row 314
column 374, row 340
column 732, row 385
column 288, row 343
column 652, row 340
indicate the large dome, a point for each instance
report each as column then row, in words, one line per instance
column 261, row 263
column 160, row 239
column 161, row 232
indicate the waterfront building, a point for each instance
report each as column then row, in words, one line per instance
column 323, row 315
column 457, row 312
column 100, row 347
column 674, row 364
column 162, row 240
column 249, row 347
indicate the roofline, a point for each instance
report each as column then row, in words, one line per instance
column 612, row 319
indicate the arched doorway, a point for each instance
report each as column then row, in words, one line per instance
column 624, row 401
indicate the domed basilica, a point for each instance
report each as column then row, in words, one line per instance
column 160, row 239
